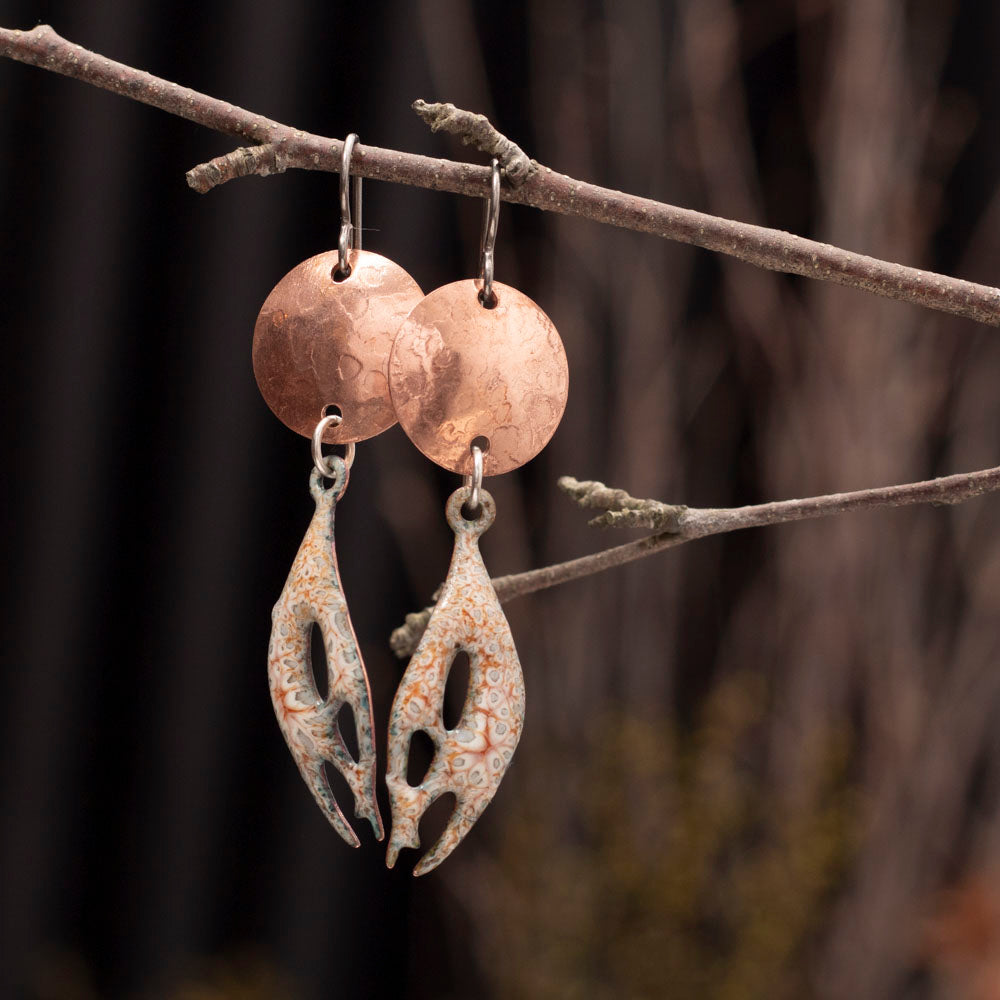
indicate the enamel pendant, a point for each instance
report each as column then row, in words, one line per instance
column 471, row 759
column 313, row 595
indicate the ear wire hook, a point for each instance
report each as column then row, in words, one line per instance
column 350, row 233
column 491, row 220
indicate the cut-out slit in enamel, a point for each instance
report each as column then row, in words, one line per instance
column 348, row 731
column 471, row 758
column 436, row 817
column 418, row 760
column 456, row 690
column 317, row 659
column 339, row 788
column 308, row 721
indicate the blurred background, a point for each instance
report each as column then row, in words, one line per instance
column 764, row 765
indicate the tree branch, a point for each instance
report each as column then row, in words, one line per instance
column 280, row 147
column 689, row 523
column 544, row 189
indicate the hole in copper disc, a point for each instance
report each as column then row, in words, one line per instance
column 332, row 410
column 338, row 275
column 482, row 443
column 490, row 303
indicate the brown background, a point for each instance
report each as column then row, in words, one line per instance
column 762, row 765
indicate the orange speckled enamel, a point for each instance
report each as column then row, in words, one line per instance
column 309, row 724
column 471, row 759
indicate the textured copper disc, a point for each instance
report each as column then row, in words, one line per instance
column 459, row 371
column 320, row 342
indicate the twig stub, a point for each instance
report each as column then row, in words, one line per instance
column 621, row 509
column 477, row 130
column 243, row 162
column 404, row 639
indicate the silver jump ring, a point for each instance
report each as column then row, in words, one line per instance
column 320, row 461
column 350, row 233
column 491, row 220
column 475, row 481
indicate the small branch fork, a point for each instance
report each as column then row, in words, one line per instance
column 276, row 147
column 246, row 161
column 527, row 182
column 675, row 524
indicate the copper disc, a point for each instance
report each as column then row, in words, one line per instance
column 459, row 371
column 320, row 342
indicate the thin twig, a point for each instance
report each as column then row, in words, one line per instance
column 544, row 189
column 479, row 131
column 700, row 522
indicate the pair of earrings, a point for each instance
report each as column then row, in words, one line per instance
column 345, row 345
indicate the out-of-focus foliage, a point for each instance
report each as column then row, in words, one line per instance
column 678, row 873
column 244, row 974
column 241, row 976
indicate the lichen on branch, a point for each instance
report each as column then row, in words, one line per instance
column 620, row 509
column 477, row 130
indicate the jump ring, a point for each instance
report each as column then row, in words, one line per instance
column 320, row 461
column 475, row 481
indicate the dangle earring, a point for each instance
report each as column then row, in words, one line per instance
column 320, row 354
column 479, row 380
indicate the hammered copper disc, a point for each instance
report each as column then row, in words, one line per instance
column 320, row 342
column 459, row 371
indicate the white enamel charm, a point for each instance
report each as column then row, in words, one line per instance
column 471, row 759
column 313, row 594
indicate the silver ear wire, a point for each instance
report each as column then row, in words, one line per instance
column 491, row 220
column 350, row 232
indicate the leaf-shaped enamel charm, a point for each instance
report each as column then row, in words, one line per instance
column 313, row 594
column 471, row 759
